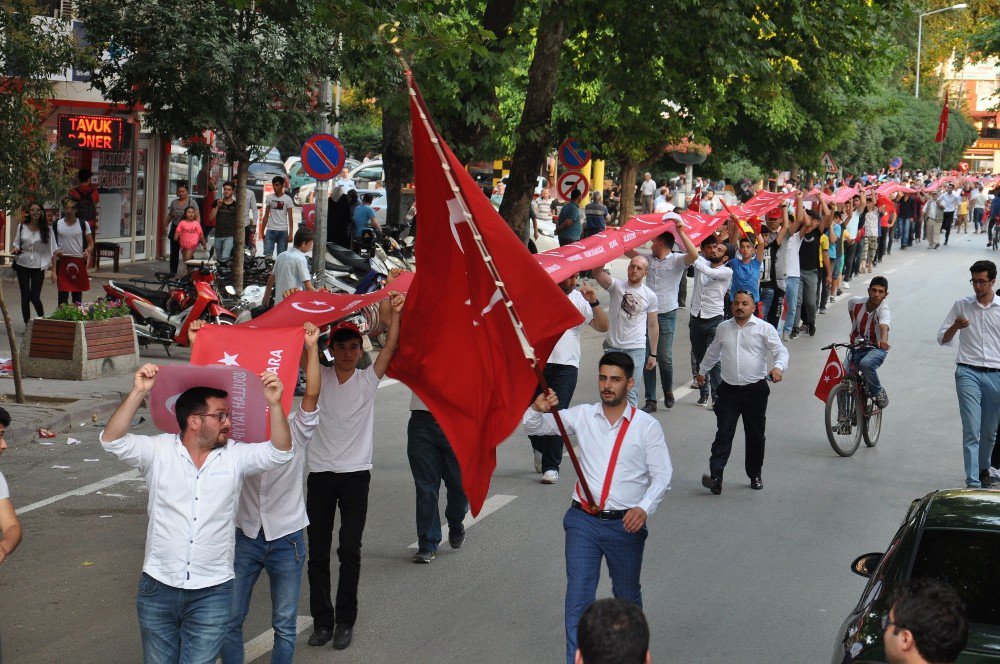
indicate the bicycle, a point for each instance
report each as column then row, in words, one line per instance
column 851, row 411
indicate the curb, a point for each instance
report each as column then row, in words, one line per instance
column 63, row 420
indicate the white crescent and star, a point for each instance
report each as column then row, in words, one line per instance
column 170, row 403
column 835, row 365
column 326, row 309
column 229, row 360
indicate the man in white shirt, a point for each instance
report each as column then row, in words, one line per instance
column 75, row 241
column 270, row 528
column 647, row 190
column 976, row 321
column 666, row 269
column 340, row 463
column 10, row 527
column 793, row 272
column 711, row 283
column 742, row 343
column 632, row 314
column 624, row 457
column 250, row 224
column 562, row 369
column 977, row 201
column 194, row 479
column 291, row 269
column 278, row 218
column 949, row 201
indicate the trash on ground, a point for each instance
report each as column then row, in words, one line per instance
column 45, row 433
column 72, row 441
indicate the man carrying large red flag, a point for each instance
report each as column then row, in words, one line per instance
column 480, row 313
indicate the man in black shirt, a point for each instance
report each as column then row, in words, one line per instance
column 225, row 218
column 809, row 271
column 906, row 212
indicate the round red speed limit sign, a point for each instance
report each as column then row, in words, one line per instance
column 569, row 181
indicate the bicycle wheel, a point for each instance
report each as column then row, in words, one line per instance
column 872, row 428
column 842, row 422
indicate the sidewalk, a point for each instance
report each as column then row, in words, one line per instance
column 60, row 405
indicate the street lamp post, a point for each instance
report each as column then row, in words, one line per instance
column 920, row 34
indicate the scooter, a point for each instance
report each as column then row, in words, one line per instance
column 349, row 272
column 164, row 315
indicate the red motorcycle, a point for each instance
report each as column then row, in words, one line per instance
column 162, row 315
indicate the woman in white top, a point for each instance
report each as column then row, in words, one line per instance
column 34, row 244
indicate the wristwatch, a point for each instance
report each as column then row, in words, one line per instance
column 594, row 304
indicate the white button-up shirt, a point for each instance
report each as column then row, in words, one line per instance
column 949, row 201
column 189, row 539
column 978, row 344
column 642, row 473
column 710, row 287
column 274, row 500
column 743, row 351
column 664, row 278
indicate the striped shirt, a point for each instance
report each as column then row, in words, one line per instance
column 864, row 323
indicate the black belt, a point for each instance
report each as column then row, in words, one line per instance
column 982, row 369
column 606, row 515
column 745, row 387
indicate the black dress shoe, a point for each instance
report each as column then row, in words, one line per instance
column 668, row 401
column 342, row 636
column 812, row 329
column 756, row 483
column 985, row 480
column 713, row 484
column 320, row 636
column 456, row 538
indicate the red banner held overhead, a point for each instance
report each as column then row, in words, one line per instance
column 477, row 310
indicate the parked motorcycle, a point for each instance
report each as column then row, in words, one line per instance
column 349, row 272
column 163, row 315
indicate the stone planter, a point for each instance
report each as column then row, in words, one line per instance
column 79, row 350
column 688, row 157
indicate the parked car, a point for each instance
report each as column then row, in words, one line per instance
column 367, row 173
column 952, row 536
column 263, row 171
column 302, row 184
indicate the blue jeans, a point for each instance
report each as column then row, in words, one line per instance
column 223, row 248
column 283, row 559
column 562, row 379
column 869, row 360
column 588, row 539
column 272, row 238
column 664, row 356
column 979, row 406
column 977, row 217
column 432, row 460
column 638, row 356
column 904, row 232
column 182, row 626
column 791, row 299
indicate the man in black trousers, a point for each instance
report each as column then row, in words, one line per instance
column 742, row 344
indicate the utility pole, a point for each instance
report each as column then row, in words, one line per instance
column 322, row 191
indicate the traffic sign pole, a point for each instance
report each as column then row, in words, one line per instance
column 322, row 193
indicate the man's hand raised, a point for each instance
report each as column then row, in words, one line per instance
column 273, row 388
column 144, row 379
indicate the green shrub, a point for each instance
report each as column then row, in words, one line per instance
column 101, row 309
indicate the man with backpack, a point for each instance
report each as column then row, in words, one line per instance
column 75, row 248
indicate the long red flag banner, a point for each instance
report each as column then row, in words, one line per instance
column 479, row 314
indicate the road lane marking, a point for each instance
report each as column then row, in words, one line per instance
column 492, row 504
column 261, row 645
column 82, row 491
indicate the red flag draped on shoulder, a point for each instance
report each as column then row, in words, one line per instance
column 479, row 307
column 942, row 131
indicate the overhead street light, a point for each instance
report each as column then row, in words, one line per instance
column 920, row 34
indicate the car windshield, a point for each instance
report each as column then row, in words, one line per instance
column 968, row 561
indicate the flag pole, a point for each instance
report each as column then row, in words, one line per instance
column 526, row 348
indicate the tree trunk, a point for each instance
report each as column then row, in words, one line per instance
column 15, row 351
column 629, row 173
column 242, row 169
column 397, row 152
column 534, row 131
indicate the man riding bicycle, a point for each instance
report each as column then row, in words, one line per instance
column 870, row 324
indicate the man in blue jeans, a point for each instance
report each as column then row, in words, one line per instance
column 278, row 218
column 627, row 487
column 186, row 591
column 976, row 321
column 270, row 527
column 870, row 324
column 666, row 270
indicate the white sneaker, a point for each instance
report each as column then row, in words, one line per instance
column 550, row 477
column 847, row 285
column 538, row 461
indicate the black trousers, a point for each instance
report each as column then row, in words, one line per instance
column 63, row 297
column 750, row 403
column 175, row 250
column 562, row 379
column 327, row 491
column 29, row 281
column 949, row 218
column 702, row 334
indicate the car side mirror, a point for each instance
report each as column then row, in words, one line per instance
column 864, row 565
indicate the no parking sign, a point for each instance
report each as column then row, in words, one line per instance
column 322, row 156
column 572, row 155
column 569, row 181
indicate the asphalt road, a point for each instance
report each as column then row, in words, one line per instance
column 743, row 577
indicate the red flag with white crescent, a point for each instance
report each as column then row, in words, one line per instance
column 833, row 372
column 71, row 275
column 942, row 131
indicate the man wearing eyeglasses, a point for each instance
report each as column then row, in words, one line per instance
column 194, row 480
column 926, row 624
column 976, row 321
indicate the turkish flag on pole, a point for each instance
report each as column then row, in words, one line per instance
column 832, row 373
column 942, row 131
column 479, row 312
column 276, row 349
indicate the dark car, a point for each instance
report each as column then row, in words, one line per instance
column 952, row 536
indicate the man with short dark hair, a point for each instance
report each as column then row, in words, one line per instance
column 568, row 224
column 711, row 283
column 291, row 268
column 624, row 457
column 364, row 217
column 225, row 219
column 870, row 324
column 278, row 218
column 194, row 480
column 926, row 624
column 339, row 475
column 976, row 321
column 613, row 631
column 597, row 214
column 10, row 527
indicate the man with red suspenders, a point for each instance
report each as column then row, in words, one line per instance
column 624, row 455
